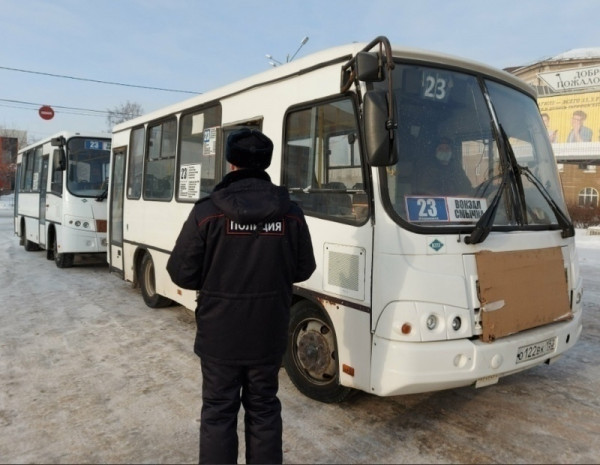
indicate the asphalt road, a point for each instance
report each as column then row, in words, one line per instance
column 89, row 374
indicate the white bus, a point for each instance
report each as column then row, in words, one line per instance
column 414, row 290
column 60, row 196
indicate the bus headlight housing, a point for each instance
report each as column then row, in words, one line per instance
column 79, row 223
column 424, row 321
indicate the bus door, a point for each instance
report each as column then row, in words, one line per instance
column 16, row 201
column 43, row 205
column 115, row 245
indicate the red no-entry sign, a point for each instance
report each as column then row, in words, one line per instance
column 46, row 112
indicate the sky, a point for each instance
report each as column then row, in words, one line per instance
column 193, row 46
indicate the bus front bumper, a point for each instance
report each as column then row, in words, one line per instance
column 77, row 241
column 412, row 367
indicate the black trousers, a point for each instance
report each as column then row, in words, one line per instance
column 224, row 388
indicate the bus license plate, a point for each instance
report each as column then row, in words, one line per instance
column 539, row 349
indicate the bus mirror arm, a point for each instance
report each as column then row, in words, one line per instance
column 379, row 107
column 58, row 141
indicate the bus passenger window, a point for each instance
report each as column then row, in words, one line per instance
column 322, row 167
column 136, row 161
column 27, row 171
column 197, row 165
column 160, row 161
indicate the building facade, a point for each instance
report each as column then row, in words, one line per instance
column 9, row 146
column 568, row 87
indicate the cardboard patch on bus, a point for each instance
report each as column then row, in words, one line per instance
column 519, row 290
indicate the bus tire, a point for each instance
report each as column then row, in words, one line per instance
column 148, row 284
column 27, row 244
column 62, row 260
column 311, row 356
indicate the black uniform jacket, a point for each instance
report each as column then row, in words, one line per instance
column 243, row 248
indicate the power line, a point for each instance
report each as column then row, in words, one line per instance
column 66, row 110
column 98, row 81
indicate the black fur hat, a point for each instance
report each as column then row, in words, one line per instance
column 249, row 148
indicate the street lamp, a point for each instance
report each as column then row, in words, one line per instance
column 301, row 45
column 275, row 62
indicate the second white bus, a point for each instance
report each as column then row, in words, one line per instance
column 60, row 196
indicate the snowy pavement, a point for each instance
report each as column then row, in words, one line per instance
column 89, row 374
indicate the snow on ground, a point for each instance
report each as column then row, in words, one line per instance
column 7, row 201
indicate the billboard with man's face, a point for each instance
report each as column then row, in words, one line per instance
column 572, row 118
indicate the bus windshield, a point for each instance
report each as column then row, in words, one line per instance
column 455, row 147
column 88, row 166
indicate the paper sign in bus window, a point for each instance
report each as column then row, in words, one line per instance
column 198, row 123
column 466, row 209
column 210, row 142
column 189, row 181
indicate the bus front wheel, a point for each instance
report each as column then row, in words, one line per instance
column 148, row 284
column 311, row 356
column 62, row 260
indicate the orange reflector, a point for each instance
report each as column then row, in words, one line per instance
column 406, row 328
column 348, row 369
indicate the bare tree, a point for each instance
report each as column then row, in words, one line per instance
column 123, row 112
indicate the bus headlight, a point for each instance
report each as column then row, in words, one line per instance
column 432, row 322
column 456, row 323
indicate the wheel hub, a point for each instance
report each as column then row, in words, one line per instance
column 314, row 353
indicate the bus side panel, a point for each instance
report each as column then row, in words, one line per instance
column 353, row 337
column 29, row 212
column 352, row 325
column 164, row 285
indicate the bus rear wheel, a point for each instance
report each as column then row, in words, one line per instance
column 62, row 260
column 311, row 356
column 27, row 244
column 148, row 284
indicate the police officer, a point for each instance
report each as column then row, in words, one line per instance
column 242, row 248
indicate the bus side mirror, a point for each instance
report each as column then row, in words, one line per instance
column 58, row 141
column 369, row 67
column 380, row 140
column 60, row 159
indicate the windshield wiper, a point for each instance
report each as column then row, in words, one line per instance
column 514, row 170
column 485, row 223
column 102, row 196
column 568, row 229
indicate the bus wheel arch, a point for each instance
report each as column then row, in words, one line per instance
column 28, row 245
column 62, row 260
column 147, row 282
column 311, row 357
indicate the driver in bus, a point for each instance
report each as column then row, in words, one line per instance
column 441, row 174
